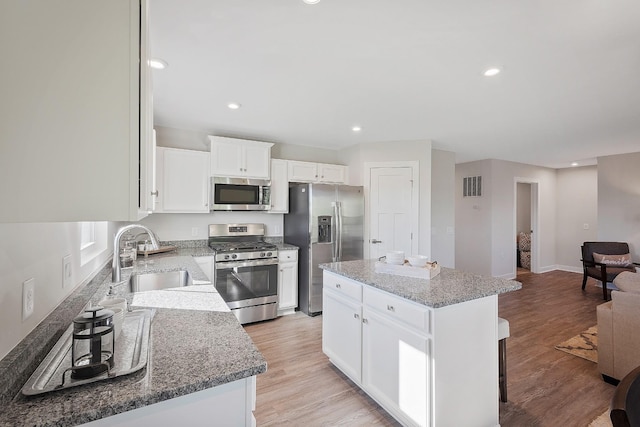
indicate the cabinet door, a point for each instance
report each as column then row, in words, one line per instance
column 302, row 171
column 227, row 157
column 342, row 333
column 257, row 159
column 279, row 187
column 185, row 180
column 332, row 173
column 287, row 286
column 396, row 368
column 71, row 133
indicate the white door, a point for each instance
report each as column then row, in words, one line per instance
column 391, row 204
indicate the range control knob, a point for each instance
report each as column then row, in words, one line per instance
column 226, row 257
column 262, row 254
column 234, row 256
column 269, row 254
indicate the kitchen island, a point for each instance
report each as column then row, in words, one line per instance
column 201, row 368
column 425, row 350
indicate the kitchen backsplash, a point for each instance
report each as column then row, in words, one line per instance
column 196, row 226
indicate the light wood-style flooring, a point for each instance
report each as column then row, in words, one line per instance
column 546, row 387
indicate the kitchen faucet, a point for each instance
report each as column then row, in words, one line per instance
column 115, row 269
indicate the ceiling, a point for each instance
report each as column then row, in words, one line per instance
column 406, row 70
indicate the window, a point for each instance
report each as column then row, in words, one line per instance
column 93, row 240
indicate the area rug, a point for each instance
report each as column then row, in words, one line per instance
column 602, row 421
column 583, row 345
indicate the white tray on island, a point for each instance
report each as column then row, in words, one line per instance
column 427, row 272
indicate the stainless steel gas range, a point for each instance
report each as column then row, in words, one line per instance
column 246, row 270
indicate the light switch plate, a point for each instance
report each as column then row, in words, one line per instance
column 67, row 273
column 28, row 298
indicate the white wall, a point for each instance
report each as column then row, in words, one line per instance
column 391, row 151
column 181, row 226
column 485, row 237
column 523, row 209
column 443, row 170
column 36, row 250
column 194, row 140
column 473, row 221
column 577, row 205
column 619, row 200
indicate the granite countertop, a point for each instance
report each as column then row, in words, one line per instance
column 196, row 343
column 447, row 288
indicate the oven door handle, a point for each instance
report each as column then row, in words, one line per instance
column 248, row 263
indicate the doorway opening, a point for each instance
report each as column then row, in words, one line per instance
column 525, row 235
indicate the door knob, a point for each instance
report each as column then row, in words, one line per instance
column 375, row 241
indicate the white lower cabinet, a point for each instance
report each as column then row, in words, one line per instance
column 287, row 281
column 342, row 332
column 396, row 367
column 230, row 404
column 206, row 264
column 425, row 366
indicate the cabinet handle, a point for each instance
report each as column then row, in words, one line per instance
column 390, row 308
column 365, row 321
column 338, row 285
column 356, row 315
column 154, row 193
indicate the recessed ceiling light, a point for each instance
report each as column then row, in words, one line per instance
column 574, row 164
column 356, row 128
column 233, row 105
column 311, row 1
column 158, row 64
column 491, row 72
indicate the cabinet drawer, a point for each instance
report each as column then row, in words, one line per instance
column 399, row 309
column 287, row 256
column 342, row 285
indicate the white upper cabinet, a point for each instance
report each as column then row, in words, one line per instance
column 183, row 181
column 240, row 158
column 316, row 172
column 279, row 187
column 74, row 133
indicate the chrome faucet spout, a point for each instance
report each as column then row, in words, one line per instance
column 116, row 275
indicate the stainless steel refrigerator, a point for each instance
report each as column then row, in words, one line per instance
column 326, row 222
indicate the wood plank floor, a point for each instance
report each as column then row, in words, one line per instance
column 546, row 387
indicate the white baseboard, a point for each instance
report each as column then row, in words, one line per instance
column 569, row 268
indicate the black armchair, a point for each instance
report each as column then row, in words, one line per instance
column 600, row 270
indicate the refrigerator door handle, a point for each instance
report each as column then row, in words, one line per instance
column 339, row 231
column 334, row 231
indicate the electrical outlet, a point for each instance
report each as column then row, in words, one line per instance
column 28, row 298
column 66, row 271
column 194, row 231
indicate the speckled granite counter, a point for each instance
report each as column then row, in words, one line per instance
column 447, row 288
column 193, row 348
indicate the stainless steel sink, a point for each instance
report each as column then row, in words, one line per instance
column 156, row 281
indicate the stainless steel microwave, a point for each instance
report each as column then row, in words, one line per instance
column 240, row 194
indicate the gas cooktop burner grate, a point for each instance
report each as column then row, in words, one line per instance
column 241, row 246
